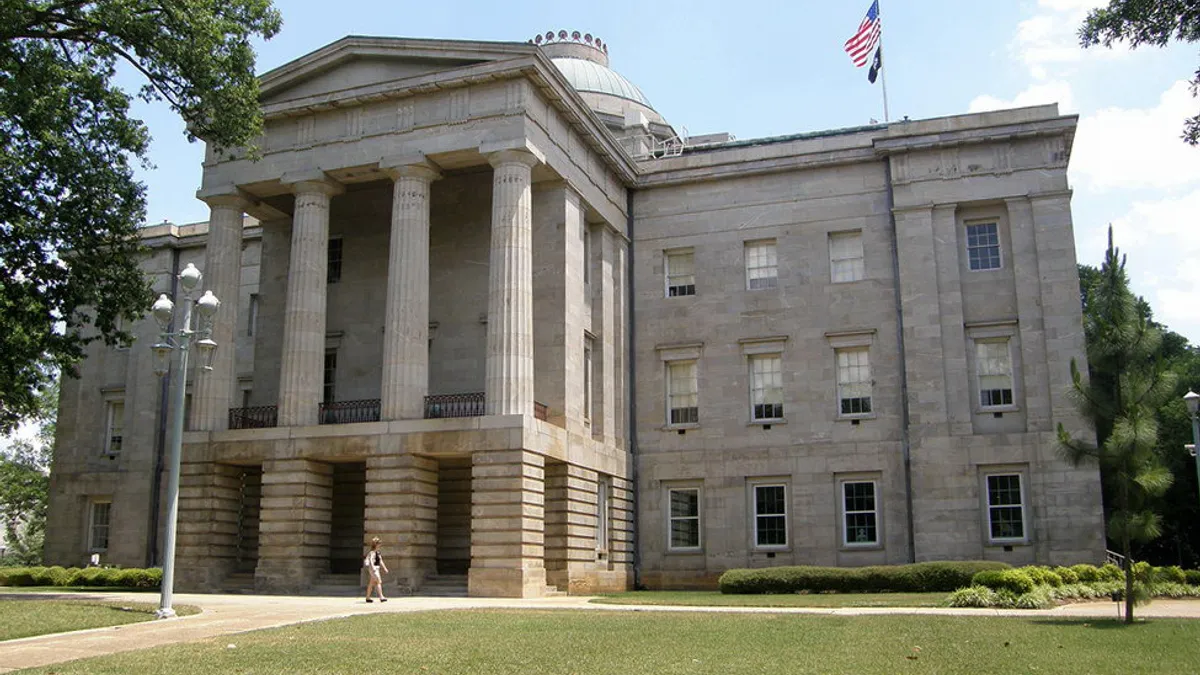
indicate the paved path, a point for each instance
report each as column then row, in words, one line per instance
column 230, row 614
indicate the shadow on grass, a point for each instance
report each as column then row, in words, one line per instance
column 1095, row 624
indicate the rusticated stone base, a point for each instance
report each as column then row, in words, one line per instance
column 506, row 583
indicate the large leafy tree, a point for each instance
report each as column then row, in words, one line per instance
column 1147, row 22
column 69, row 204
column 25, row 484
column 1125, row 388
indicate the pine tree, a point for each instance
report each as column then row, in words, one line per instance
column 1126, row 386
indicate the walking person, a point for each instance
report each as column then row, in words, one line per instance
column 375, row 570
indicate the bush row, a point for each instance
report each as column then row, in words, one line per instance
column 915, row 578
column 1039, row 587
column 74, row 576
column 1042, row 597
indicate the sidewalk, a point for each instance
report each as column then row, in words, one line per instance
column 231, row 614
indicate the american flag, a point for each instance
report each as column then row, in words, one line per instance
column 860, row 46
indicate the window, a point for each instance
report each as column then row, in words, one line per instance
column 328, row 391
column 334, row 271
column 684, row 518
column 770, row 515
column 98, row 520
column 252, row 314
column 587, row 255
column 853, row 381
column 766, row 387
column 1006, row 507
column 860, row 524
column 845, row 257
column 682, row 393
column 993, row 365
column 761, row 265
column 114, row 428
column 587, row 377
column 983, row 246
column 681, row 273
column 602, row 519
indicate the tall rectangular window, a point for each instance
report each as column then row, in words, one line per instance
column 853, row 381
column 334, row 269
column 684, row 517
column 682, row 393
column 1006, row 507
column 983, row 246
column 860, row 517
column 680, row 273
column 587, row 377
column 252, row 314
column 587, row 255
column 846, row 257
column 603, row 486
column 99, row 513
column 114, row 431
column 770, row 515
column 328, row 390
column 761, row 265
column 766, row 387
column 993, row 365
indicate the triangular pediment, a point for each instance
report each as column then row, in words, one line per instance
column 356, row 62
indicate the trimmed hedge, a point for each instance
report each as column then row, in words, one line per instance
column 1018, row 581
column 89, row 576
column 925, row 577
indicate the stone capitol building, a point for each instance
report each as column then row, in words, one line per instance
column 482, row 301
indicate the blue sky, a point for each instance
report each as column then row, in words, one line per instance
column 755, row 68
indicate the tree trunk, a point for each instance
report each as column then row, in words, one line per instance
column 1128, row 565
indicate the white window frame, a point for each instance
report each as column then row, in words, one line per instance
column 844, row 509
column 698, row 517
column 999, row 245
column 989, row 507
column 838, row 261
column 114, row 426
column 762, row 265
column 92, row 525
column 669, row 276
column 847, row 387
column 694, row 394
column 760, row 390
column 980, row 375
column 755, row 515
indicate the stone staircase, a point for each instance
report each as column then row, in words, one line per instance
column 239, row 583
column 337, row 585
column 444, row 586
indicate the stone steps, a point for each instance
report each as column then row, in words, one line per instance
column 444, row 586
column 239, row 583
column 338, row 585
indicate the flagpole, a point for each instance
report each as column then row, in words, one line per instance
column 882, row 66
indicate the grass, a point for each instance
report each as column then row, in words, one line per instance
column 74, row 589
column 26, row 618
column 717, row 599
column 548, row 641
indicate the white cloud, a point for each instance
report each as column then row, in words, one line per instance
column 1139, row 147
column 1047, row 92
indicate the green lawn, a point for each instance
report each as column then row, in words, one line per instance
column 625, row 643
column 26, row 618
column 717, row 599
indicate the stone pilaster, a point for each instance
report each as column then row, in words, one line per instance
column 603, row 320
column 508, row 383
column 406, row 331
column 1034, row 396
column 295, row 516
column 222, row 276
column 957, row 386
column 300, row 375
column 507, row 524
column 401, row 509
column 207, row 530
column 620, row 551
column 571, row 519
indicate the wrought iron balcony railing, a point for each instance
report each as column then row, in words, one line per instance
column 367, row 410
column 258, row 417
column 349, row 412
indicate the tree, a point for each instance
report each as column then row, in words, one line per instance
column 1126, row 387
column 25, row 484
column 69, row 205
column 1147, row 22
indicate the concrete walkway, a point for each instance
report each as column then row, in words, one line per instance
column 230, row 614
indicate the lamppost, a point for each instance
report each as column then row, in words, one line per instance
column 1192, row 399
column 181, row 340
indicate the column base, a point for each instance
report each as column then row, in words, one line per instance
column 506, row 583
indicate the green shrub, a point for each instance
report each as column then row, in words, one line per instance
column 1086, row 573
column 1016, row 582
column 973, row 596
column 915, row 578
column 1111, row 572
column 16, row 576
column 88, row 576
column 1067, row 575
column 1192, row 577
column 1043, row 576
column 1169, row 575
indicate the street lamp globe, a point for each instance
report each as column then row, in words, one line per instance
column 190, row 278
column 162, row 309
column 1192, row 399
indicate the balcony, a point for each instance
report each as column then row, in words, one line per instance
column 437, row 406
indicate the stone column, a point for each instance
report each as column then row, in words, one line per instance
column 222, row 275
column 300, row 375
column 402, row 510
column 508, row 384
column 297, row 509
column 603, row 326
column 406, row 327
column 507, row 524
column 207, row 531
column 571, row 528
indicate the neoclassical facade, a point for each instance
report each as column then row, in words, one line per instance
column 480, row 300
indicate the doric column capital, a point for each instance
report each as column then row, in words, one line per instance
column 308, row 182
column 520, row 151
column 410, row 166
column 229, row 196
